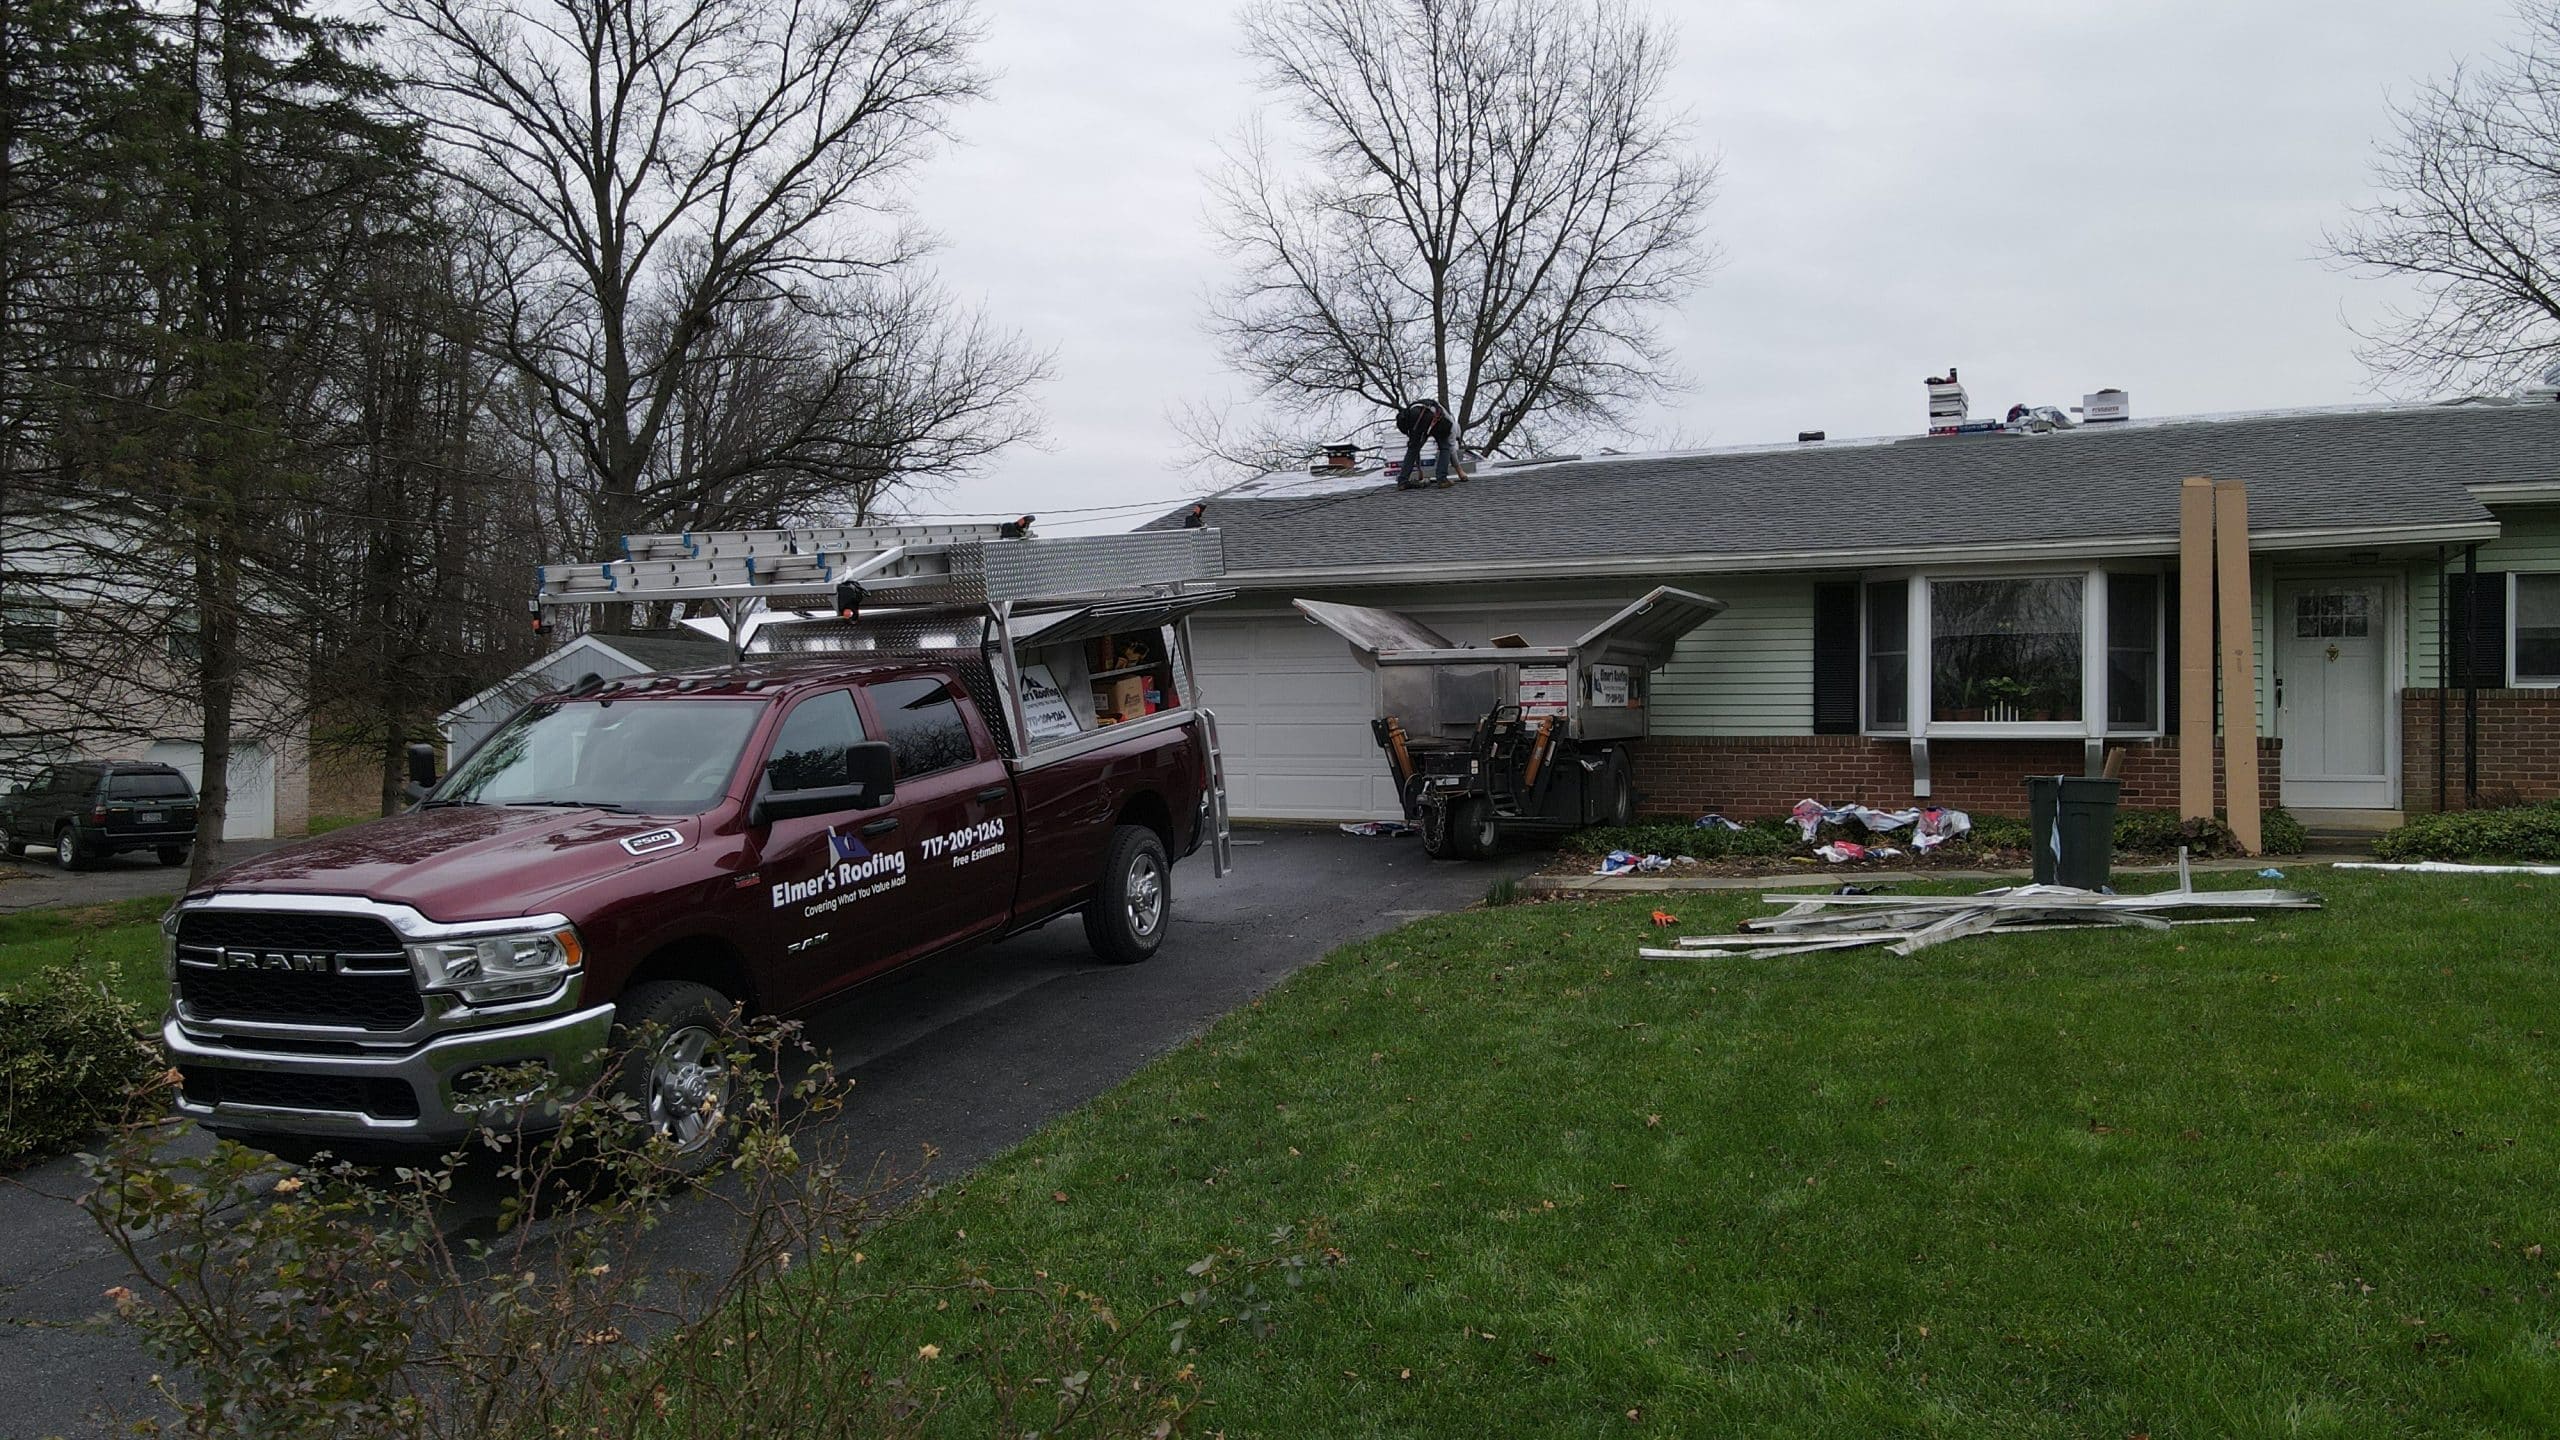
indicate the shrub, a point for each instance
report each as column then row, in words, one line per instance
column 2280, row 834
column 72, row 1057
column 2523, row 833
column 333, row 1302
column 1763, row 838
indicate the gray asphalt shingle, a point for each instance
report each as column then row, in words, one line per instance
column 2372, row 469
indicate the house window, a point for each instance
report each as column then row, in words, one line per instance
column 2133, row 652
column 2537, row 612
column 2006, row 650
column 28, row 628
column 1889, row 655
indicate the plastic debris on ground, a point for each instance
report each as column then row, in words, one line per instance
column 1627, row 862
column 1907, row 924
column 1841, row 852
column 2270, row 873
column 2448, row 867
column 1664, row 919
column 1379, row 828
column 1932, row 825
column 1713, row 821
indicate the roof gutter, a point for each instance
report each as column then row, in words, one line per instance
column 1758, row 562
column 2517, row 492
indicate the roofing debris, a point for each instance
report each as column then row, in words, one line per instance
column 2447, row 867
column 1908, row 924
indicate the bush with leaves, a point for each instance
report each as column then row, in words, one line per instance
column 2521, row 834
column 73, row 1060
column 325, row 1300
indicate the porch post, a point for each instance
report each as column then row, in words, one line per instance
column 2239, row 638
column 2195, row 648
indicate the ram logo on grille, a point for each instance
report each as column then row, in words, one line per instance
column 235, row 958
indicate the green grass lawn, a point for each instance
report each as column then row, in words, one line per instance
column 2290, row 1178
column 119, row 943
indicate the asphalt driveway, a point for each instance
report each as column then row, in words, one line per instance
column 34, row 882
column 968, row 1056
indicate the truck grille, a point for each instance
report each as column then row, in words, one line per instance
column 382, row 1099
column 368, row 986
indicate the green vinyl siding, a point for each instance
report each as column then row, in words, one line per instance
column 2529, row 540
column 1749, row 671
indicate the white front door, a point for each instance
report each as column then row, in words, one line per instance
column 2332, row 693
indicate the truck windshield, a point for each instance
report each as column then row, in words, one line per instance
column 661, row 757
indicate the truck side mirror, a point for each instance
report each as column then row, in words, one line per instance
column 422, row 764
column 870, row 781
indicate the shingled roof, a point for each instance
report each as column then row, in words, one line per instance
column 2346, row 478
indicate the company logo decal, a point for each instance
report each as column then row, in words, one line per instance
column 855, row 873
column 649, row 841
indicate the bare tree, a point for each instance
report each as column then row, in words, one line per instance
column 683, row 198
column 2471, row 214
column 1489, row 202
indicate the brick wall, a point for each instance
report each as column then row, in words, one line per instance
column 1752, row 776
column 2519, row 755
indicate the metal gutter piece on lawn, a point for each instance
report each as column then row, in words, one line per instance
column 2447, row 867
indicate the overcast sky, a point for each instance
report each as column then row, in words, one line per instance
column 2053, row 196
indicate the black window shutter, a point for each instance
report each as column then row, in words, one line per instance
column 1835, row 659
column 2479, row 642
column 2169, row 657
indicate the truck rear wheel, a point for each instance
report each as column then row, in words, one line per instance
column 1133, row 905
column 672, row 1069
column 1621, row 794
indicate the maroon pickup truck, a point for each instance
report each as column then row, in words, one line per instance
column 656, row 852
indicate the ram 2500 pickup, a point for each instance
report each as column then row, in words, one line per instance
column 648, row 856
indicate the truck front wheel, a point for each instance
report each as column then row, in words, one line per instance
column 672, row 1070
column 1126, row 919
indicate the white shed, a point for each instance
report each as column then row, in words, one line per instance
column 608, row 657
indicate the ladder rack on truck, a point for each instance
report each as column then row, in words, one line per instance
column 1033, row 609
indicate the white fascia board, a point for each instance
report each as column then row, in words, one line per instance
column 2517, row 492
column 1615, row 566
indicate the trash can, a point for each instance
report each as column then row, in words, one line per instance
column 2071, row 824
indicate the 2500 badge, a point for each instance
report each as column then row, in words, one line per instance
column 967, row 837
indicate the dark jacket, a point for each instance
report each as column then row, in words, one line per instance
column 1428, row 418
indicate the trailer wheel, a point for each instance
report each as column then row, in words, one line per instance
column 1622, row 790
column 1472, row 835
column 1132, row 907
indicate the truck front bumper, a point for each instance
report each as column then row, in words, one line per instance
column 404, row 1096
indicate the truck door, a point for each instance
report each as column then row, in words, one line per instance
column 955, row 807
column 839, row 901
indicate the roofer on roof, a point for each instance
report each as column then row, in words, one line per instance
column 1416, row 420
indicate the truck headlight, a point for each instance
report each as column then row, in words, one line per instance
column 490, row 969
column 169, row 944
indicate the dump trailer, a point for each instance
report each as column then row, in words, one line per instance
column 1507, row 739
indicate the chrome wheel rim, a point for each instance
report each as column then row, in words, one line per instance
column 1145, row 897
column 688, row 1089
column 65, row 849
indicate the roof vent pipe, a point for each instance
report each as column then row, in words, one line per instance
column 1807, row 437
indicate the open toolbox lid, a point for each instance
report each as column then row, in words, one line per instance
column 1109, row 617
column 1373, row 632
column 1641, row 634
column 1646, row 631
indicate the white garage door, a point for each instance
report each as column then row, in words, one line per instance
column 1294, row 707
column 252, row 807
